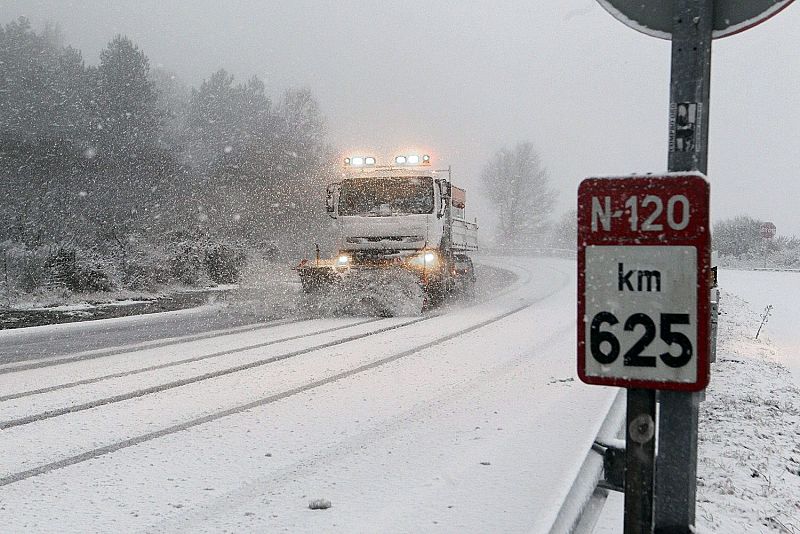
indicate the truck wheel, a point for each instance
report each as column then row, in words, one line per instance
column 434, row 295
column 466, row 282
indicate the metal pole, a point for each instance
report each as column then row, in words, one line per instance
column 676, row 463
column 640, row 448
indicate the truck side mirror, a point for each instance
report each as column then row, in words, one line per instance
column 444, row 193
column 330, row 205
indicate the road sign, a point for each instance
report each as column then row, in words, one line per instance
column 655, row 17
column 768, row 230
column 643, row 281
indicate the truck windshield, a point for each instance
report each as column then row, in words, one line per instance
column 380, row 197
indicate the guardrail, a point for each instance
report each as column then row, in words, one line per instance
column 585, row 500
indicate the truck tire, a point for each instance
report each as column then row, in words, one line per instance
column 466, row 277
column 434, row 294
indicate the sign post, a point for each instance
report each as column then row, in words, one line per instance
column 643, row 310
column 676, row 464
column 691, row 25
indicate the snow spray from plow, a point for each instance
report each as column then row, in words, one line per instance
column 370, row 292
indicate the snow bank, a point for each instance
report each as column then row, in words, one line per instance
column 749, row 449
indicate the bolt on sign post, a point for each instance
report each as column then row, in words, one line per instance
column 691, row 25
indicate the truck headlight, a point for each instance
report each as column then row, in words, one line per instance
column 343, row 260
column 426, row 259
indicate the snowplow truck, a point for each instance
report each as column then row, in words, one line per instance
column 399, row 217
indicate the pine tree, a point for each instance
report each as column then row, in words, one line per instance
column 127, row 118
column 44, row 130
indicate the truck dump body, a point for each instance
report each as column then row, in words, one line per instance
column 465, row 233
column 465, row 236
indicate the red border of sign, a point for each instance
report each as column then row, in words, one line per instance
column 715, row 34
column 697, row 234
column 754, row 24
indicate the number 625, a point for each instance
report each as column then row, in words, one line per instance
column 633, row 357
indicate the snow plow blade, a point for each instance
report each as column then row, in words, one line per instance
column 316, row 277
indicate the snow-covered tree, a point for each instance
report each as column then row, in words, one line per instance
column 128, row 119
column 517, row 184
column 737, row 236
column 128, row 172
column 564, row 233
column 305, row 163
column 44, row 127
column 173, row 105
column 262, row 167
column 43, row 86
column 229, row 122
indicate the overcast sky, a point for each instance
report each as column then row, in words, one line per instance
column 465, row 78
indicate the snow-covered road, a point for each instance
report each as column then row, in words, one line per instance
column 467, row 419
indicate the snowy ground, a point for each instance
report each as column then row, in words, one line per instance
column 749, row 472
column 749, row 447
column 467, row 419
column 781, row 290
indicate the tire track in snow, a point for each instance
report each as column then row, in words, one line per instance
column 101, row 451
column 391, row 426
column 11, row 423
column 108, row 449
column 521, row 280
column 121, row 374
column 15, row 367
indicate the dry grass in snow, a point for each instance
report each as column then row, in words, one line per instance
column 749, row 450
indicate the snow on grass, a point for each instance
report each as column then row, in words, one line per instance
column 749, row 440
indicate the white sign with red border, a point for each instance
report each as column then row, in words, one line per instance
column 643, row 281
column 768, row 230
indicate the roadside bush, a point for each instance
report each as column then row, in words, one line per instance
column 187, row 264
column 59, row 269
column 739, row 236
column 146, row 269
column 224, row 262
column 564, row 234
column 24, row 269
column 76, row 271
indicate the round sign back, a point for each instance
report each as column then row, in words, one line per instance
column 654, row 17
